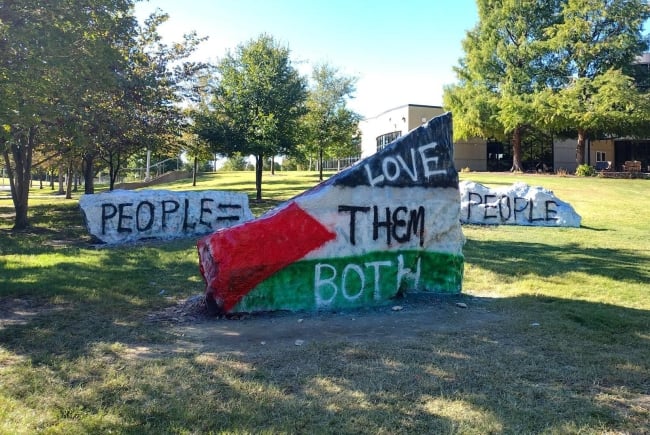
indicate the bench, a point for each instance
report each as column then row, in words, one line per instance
column 632, row 166
column 603, row 166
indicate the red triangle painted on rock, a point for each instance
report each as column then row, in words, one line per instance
column 235, row 261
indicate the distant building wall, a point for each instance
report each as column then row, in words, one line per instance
column 564, row 155
column 471, row 153
column 418, row 115
column 393, row 122
column 602, row 151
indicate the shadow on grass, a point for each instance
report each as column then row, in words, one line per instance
column 515, row 259
column 541, row 364
column 504, row 375
column 50, row 226
column 92, row 299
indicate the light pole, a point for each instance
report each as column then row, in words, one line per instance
column 147, row 176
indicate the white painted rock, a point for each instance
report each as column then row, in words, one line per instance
column 123, row 216
column 519, row 204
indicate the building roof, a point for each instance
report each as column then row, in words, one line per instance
column 403, row 106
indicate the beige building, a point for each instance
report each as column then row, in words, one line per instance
column 379, row 131
column 478, row 154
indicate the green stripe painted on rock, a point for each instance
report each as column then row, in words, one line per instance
column 348, row 282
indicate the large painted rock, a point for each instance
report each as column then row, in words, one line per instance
column 123, row 216
column 519, row 204
column 386, row 226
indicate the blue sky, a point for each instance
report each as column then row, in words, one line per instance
column 402, row 52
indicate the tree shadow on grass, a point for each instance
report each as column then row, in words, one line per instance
column 101, row 297
column 544, row 364
column 49, row 227
column 540, row 364
column 521, row 258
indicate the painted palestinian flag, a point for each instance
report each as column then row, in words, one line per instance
column 386, row 226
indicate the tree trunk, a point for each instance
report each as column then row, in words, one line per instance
column 113, row 169
column 320, row 164
column 259, row 161
column 273, row 165
column 112, row 176
column 19, row 176
column 516, row 151
column 61, row 191
column 195, row 169
column 88, row 173
column 68, row 182
column 580, row 147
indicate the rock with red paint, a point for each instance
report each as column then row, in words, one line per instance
column 386, row 226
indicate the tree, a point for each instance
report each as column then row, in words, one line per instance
column 593, row 43
column 256, row 105
column 47, row 49
column 144, row 110
column 196, row 149
column 504, row 67
column 329, row 125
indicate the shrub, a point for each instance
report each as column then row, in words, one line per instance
column 235, row 163
column 585, row 171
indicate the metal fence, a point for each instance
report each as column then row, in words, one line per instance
column 339, row 164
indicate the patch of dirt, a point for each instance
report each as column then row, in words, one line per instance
column 405, row 319
column 194, row 330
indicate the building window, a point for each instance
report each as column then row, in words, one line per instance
column 387, row 138
column 600, row 156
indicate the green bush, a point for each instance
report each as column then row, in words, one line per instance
column 585, row 171
column 236, row 162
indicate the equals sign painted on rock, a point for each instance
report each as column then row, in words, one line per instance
column 231, row 217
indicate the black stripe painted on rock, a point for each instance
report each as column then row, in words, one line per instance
column 424, row 157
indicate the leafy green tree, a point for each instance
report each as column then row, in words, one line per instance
column 196, row 149
column 330, row 128
column 81, row 79
column 145, row 110
column 236, row 162
column 640, row 72
column 211, row 127
column 256, row 105
column 49, row 51
column 593, row 43
column 504, row 67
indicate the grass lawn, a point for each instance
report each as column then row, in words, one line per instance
column 562, row 345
